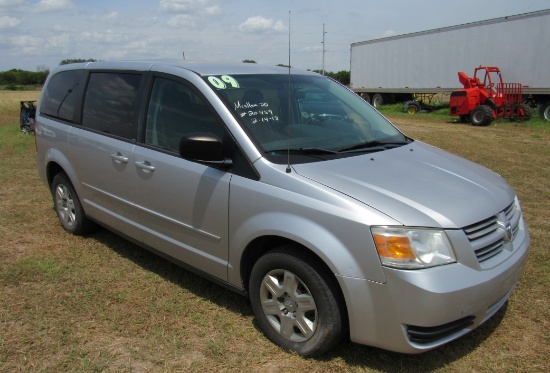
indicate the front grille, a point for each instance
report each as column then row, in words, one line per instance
column 428, row 334
column 488, row 236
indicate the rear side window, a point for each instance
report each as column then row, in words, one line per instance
column 111, row 103
column 62, row 95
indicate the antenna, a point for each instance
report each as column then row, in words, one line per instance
column 288, row 169
column 323, row 42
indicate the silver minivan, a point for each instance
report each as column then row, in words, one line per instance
column 286, row 187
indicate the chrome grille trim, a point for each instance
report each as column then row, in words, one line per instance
column 487, row 236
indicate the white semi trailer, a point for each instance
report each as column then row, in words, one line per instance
column 395, row 68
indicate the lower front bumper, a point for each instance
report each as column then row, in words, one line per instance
column 415, row 311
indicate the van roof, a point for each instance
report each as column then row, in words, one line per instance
column 201, row 68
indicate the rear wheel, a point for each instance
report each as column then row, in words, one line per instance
column 68, row 207
column 296, row 303
column 377, row 100
column 482, row 115
column 527, row 112
column 366, row 97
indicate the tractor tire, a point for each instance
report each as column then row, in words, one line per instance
column 377, row 100
column 545, row 111
column 413, row 107
column 482, row 115
column 527, row 112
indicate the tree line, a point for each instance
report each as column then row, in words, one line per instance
column 14, row 78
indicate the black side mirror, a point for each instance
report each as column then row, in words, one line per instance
column 204, row 148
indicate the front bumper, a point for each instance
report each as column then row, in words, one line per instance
column 415, row 311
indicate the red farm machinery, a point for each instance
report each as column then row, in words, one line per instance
column 486, row 97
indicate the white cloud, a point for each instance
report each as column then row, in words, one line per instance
column 213, row 10
column 50, row 5
column 102, row 37
column 111, row 17
column 388, row 33
column 182, row 6
column 188, row 12
column 182, row 21
column 259, row 24
column 9, row 22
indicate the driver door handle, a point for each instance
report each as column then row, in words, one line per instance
column 119, row 158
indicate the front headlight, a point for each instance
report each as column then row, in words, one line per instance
column 412, row 248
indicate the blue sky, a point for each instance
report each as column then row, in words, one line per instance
column 37, row 34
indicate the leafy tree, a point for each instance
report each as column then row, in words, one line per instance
column 342, row 76
column 16, row 77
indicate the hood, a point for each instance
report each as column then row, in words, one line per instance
column 417, row 185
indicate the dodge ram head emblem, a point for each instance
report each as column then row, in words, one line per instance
column 508, row 230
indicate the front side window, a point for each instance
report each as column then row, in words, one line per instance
column 174, row 111
column 309, row 115
column 62, row 93
column 111, row 103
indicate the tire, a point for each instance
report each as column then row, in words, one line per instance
column 68, row 207
column 545, row 111
column 296, row 303
column 377, row 100
column 527, row 112
column 366, row 97
column 413, row 107
column 482, row 115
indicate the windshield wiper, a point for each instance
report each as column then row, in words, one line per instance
column 303, row 151
column 372, row 146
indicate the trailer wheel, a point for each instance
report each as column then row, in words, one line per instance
column 482, row 115
column 377, row 100
column 366, row 97
column 545, row 111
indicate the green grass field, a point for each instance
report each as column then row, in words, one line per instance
column 100, row 303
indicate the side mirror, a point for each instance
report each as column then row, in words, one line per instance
column 204, row 148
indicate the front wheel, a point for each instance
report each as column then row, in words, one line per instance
column 296, row 303
column 68, row 207
column 482, row 115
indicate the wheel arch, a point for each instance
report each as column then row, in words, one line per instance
column 262, row 245
column 56, row 162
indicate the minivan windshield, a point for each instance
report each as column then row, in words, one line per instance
column 307, row 116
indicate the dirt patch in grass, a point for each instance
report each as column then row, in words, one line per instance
column 100, row 303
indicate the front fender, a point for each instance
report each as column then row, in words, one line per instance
column 337, row 235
